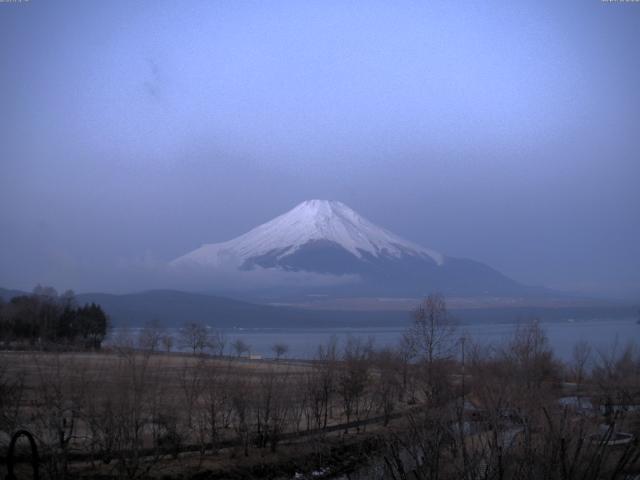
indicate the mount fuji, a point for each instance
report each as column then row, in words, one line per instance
column 328, row 238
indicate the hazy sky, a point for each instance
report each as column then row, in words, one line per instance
column 507, row 132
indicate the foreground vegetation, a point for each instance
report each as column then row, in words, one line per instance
column 46, row 320
column 435, row 407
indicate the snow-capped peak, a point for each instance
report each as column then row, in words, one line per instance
column 311, row 220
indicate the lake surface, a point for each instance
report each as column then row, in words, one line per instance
column 602, row 335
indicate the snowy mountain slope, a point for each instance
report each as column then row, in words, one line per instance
column 309, row 222
column 328, row 238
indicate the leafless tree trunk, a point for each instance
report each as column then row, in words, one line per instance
column 240, row 347
column 432, row 333
column 11, row 398
column 241, row 401
column 217, row 343
column 387, row 382
column 353, row 378
column 580, row 359
column 322, row 383
column 279, row 350
column 57, row 407
column 151, row 335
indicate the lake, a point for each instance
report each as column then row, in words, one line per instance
column 602, row 335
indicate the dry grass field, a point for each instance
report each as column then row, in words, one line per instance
column 130, row 413
column 505, row 413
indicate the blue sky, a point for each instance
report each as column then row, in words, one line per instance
column 507, row 132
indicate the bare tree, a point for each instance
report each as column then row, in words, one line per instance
column 123, row 340
column 126, row 417
column 57, row 407
column 386, row 382
column 322, row 382
column 151, row 336
column 406, row 352
column 240, row 396
column 432, row 333
column 167, row 342
column 217, row 342
column 617, row 375
column 194, row 336
column 12, row 390
column 45, row 291
column 580, row 359
column 353, row 378
column 531, row 355
column 280, row 349
column 68, row 299
column 217, row 401
column 192, row 388
column 528, row 435
column 419, row 451
column 271, row 407
column 433, row 340
column 240, row 347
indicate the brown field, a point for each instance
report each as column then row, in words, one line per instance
column 136, row 414
column 177, row 411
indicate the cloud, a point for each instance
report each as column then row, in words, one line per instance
column 229, row 278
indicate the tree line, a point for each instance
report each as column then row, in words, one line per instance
column 45, row 319
column 195, row 338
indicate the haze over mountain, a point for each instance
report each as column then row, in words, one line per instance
column 329, row 238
